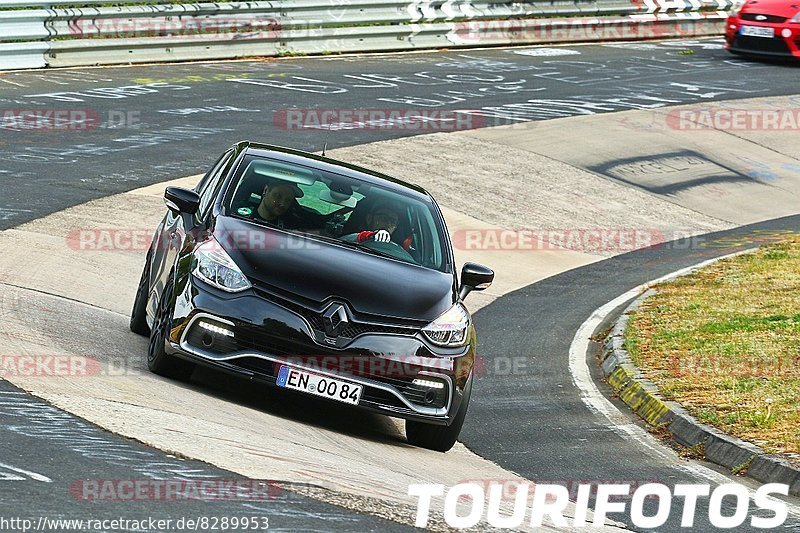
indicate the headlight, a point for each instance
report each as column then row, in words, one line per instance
column 214, row 266
column 736, row 9
column 450, row 329
column 796, row 18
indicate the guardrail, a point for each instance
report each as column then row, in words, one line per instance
column 42, row 33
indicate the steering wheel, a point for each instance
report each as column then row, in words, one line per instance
column 389, row 248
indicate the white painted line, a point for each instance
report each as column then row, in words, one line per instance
column 546, row 52
column 32, row 475
column 619, row 422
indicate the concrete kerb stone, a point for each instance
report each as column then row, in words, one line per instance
column 641, row 395
column 771, row 469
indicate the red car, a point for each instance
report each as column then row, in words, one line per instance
column 765, row 28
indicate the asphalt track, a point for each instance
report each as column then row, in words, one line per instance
column 146, row 124
column 39, row 439
column 532, row 423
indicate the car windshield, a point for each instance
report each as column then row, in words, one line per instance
column 357, row 214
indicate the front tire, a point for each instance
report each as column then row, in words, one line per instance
column 158, row 360
column 439, row 438
column 138, row 322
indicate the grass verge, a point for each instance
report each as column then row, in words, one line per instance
column 725, row 343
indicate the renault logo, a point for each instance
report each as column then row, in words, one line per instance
column 334, row 319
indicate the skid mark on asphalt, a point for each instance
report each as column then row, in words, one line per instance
column 14, row 474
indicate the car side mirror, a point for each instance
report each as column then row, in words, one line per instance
column 474, row 277
column 182, row 200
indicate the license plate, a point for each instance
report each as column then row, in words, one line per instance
column 757, row 31
column 335, row 389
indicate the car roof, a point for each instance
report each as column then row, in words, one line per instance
column 300, row 157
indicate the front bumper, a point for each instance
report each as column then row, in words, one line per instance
column 253, row 336
column 779, row 46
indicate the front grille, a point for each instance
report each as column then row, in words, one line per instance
column 253, row 338
column 769, row 18
column 270, row 369
column 354, row 329
column 399, row 376
column 300, row 350
column 313, row 318
column 775, row 45
column 351, row 331
column 404, row 385
column 259, row 366
column 381, row 397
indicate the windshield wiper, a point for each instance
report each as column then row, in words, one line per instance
column 371, row 251
column 356, row 246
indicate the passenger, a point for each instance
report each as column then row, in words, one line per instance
column 276, row 203
column 278, row 207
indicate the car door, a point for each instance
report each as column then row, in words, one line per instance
column 172, row 234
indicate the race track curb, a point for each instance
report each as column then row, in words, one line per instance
column 641, row 395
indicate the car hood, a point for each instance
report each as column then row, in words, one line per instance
column 315, row 270
column 780, row 8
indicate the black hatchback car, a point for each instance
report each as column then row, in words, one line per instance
column 315, row 276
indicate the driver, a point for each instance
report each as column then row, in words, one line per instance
column 384, row 218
